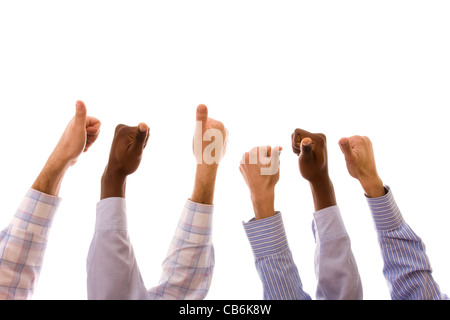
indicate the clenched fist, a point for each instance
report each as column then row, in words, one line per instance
column 124, row 158
column 260, row 170
column 311, row 149
column 360, row 160
column 127, row 148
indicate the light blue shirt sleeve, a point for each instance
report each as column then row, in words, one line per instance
column 406, row 267
column 112, row 269
column 336, row 270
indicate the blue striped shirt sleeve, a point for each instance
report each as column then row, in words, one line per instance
column 273, row 259
column 406, row 267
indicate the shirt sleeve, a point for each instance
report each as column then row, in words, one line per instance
column 23, row 244
column 406, row 265
column 112, row 269
column 336, row 269
column 273, row 259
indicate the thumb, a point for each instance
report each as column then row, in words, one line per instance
column 346, row 149
column 202, row 113
column 80, row 114
column 306, row 148
column 140, row 140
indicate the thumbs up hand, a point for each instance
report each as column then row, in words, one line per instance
column 81, row 132
column 124, row 159
column 79, row 135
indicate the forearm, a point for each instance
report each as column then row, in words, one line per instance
column 189, row 265
column 204, row 184
column 273, row 259
column 336, row 269
column 373, row 186
column 112, row 269
column 280, row 277
column 51, row 176
column 28, row 231
column 263, row 204
column 323, row 193
column 406, row 265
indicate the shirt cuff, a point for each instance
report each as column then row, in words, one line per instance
column 195, row 223
column 266, row 236
column 111, row 215
column 328, row 224
column 35, row 213
column 385, row 213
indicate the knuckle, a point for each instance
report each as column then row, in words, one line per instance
column 323, row 136
column 119, row 128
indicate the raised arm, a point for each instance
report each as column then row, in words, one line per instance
column 112, row 270
column 265, row 232
column 336, row 269
column 189, row 265
column 406, row 265
column 23, row 242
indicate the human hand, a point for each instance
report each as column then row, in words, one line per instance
column 311, row 149
column 260, row 170
column 79, row 135
column 207, row 154
column 360, row 160
column 127, row 148
column 124, row 159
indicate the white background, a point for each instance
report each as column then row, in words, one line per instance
column 264, row 68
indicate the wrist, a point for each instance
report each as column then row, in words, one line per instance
column 323, row 193
column 373, row 186
column 57, row 163
column 204, row 185
column 321, row 183
column 113, row 184
column 50, row 178
column 263, row 204
column 207, row 170
column 60, row 156
column 113, row 173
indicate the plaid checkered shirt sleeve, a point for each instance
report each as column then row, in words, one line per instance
column 23, row 243
column 112, row 269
